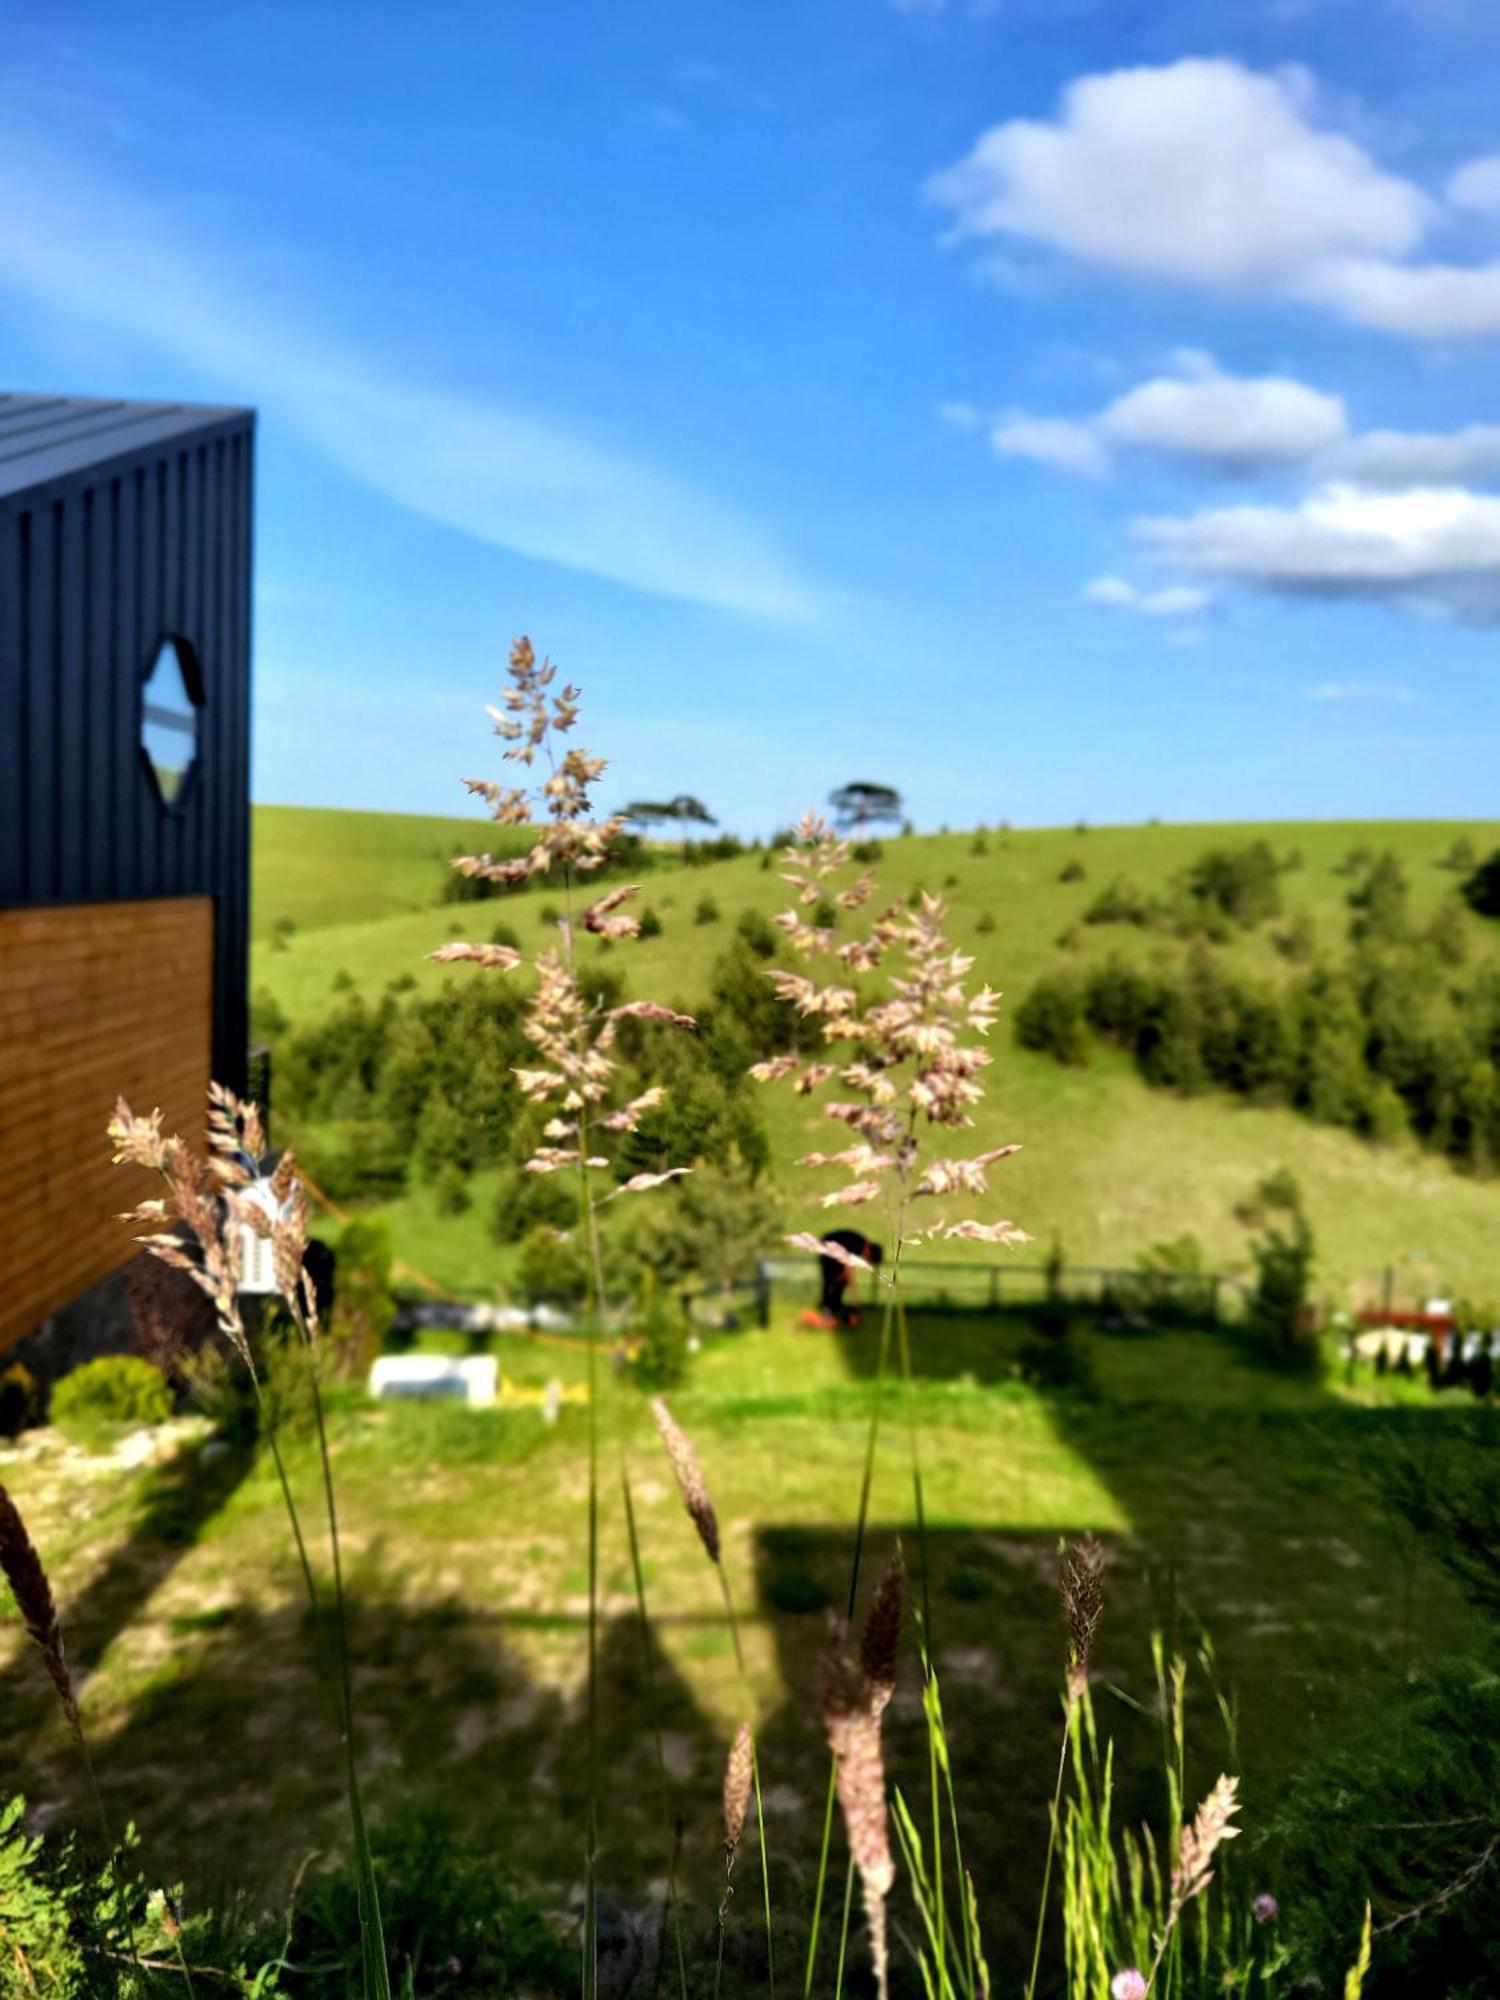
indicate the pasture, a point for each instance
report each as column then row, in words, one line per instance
column 1236, row 1507
column 1109, row 1166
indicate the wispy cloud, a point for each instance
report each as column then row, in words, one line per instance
column 1180, row 600
column 1370, row 691
column 80, row 245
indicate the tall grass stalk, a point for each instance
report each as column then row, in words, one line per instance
column 674, row 1822
column 195, row 1226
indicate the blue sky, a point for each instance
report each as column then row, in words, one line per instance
column 1051, row 409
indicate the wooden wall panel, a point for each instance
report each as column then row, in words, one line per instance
column 97, row 1001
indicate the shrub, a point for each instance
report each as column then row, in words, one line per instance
column 1051, row 1019
column 525, row 1201
column 1446, row 935
column 20, row 1400
column 1118, row 1000
column 268, row 1020
column 1238, row 883
column 869, row 850
column 707, row 911
column 1297, row 939
column 1073, row 871
column 551, row 1265
column 115, row 1389
column 758, row 932
column 825, row 913
column 1481, row 887
column 650, row 923
column 980, row 844
column 1379, row 903
column 1121, row 903
column 450, row 1190
column 1279, row 1317
column 984, row 923
column 363, row 1307
column 504, row 933
column 659, row 1347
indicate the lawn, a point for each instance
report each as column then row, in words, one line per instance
column 1109, row 1166
column 1232, row 1503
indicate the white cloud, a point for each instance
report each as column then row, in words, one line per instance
column 1419, row 458
column 1052, row 441
column 1235, row 421
column 1113, row 593
column 1363, row 691
column 78, row 245
column 1420, row 301
column 1202, row 171
column 961, row 416
column 1431, row 548
column 1208, row 174
column 1228, row 423
column 1476, row 185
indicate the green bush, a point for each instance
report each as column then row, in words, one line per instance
column 1481, row 887
column 524, row 1201
column 1379, row 903
column 1238, row 884
column 363, row 1307
column 551, row 1265
column 115, row 1389
column 659, row 1336
column 1073, row 871
column 1121, row 903
column 707, row 911
column 1051, row 1019
column 759, row 933
column 1278, row 1321
column 650, row 923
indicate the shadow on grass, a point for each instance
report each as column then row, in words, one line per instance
column 1251, row 1513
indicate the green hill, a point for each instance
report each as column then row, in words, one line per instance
column 1109, row 1165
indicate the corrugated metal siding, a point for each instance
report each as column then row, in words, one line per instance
column 99, row 563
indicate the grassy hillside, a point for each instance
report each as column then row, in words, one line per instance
column 1109, row 1166
column 315, row 868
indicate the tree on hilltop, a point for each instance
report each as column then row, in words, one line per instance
column 681, row 811
column 858, row 803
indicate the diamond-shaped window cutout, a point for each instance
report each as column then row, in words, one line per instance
column 169, row 723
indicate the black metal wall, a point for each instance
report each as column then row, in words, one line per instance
column 100, row 562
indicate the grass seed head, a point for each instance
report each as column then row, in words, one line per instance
column 690, row 1480
column 852, row 1707
column 881, row 1638
column 1082, row 1588
column 22, row 1569
column 738, row 1775
column 1201, row 1840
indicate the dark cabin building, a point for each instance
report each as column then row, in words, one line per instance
column 125, row 565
